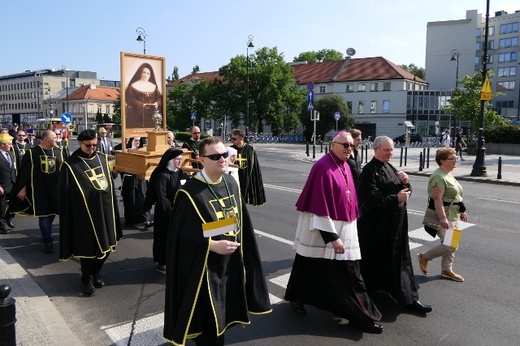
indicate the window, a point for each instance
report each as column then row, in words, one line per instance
column 348, row 88
column 507, row 57
column 508, row 28
column 349, row 105
column 107, row 109
column 386, row 106
column 99, row 109
column 508, row 42
column 361, row 87
column 506, row 86
column 361, row 107
column 506, row 71
column 387, row 86
column 477, row 47
column 490, row 59
column 479, row 33
column 491, row 31
column 491, row 44
column 373, row 86
column 477, row 60
column 373, row 106
column 322, row 89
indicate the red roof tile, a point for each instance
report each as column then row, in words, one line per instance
column 101, row 93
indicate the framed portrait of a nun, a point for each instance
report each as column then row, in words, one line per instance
column 143, row 93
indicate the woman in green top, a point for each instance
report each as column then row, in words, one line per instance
column 444, row 190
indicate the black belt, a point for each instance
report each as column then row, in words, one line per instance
column 431, row 205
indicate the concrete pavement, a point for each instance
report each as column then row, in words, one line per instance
column 39, row 323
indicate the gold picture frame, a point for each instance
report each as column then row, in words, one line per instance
column 143, row 92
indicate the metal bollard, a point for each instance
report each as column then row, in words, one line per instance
column 405, row 155
column 420, row 162
column 321, row 146
column 307, row 148
column 428, row 158
column 499, row 174
column 326, row 149
column 401, row 158
column 313, row 151
column 7, row 317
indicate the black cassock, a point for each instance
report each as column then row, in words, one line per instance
column 383, row 234
column 203, row 287
column 39, row 173
column 251, row 184
column 89, row 216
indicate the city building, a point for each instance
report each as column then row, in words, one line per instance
column 375, row 90
column 455, row 48
column 27, row 96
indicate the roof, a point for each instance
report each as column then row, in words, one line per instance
column 348, row 70
column 207, row 76
column 100, row 93
column 351, row 70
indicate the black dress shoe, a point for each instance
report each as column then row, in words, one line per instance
column 88, row 287
column 10, row 223
column 418, row 307
column 3, row 231
column 298, row 308
column 98, row 281
column 376, row 328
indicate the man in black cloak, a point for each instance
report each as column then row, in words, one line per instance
column 89, row 216
column 251, row 184
column 383, row 229
column 214, row 276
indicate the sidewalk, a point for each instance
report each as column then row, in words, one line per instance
column 39, row 323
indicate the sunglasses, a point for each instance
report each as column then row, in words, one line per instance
column 90, row 145
column 21, row 135
column 196, row 133
column 216, row 157
column 234, row 138
column 347, row 145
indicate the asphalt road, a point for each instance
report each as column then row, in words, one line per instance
column 128, row 311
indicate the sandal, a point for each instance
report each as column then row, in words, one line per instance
column 423, row 263
column 452, row 276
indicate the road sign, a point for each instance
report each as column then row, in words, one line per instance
column 310, row 100
column 337, row 115
column 310, row 86
column 310, row 106
column 193, row 115
column 66, row 118
column 486, row 93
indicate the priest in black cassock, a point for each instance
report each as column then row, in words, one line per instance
column 192, row 144
column 251, row 184
column 383, row 229
column 214, row 276
column 89, row 218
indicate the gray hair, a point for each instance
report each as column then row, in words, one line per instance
column 382, row 139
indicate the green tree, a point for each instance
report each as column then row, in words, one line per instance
column 465, row 103
column 415, row 70
column 274, row 98
column 319, row 56
column 327, row 106
column 195, row 69
column 116, row 117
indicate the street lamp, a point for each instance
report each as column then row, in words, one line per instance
column 479, row 167
column 249, row 45
column 66, row 73
column 141, row 37
column 455, row 56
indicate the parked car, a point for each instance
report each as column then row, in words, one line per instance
column 414, row 137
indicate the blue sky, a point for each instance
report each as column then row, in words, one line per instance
column 89, row 35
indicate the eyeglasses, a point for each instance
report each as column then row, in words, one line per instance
column 196, row 133
column 90, row 145
column 347, row 145
column 453, row 159
column 234, row 138
column 216, row 157
column 21, row 135
column 30, row 135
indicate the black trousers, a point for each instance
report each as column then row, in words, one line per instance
column 91, row 267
